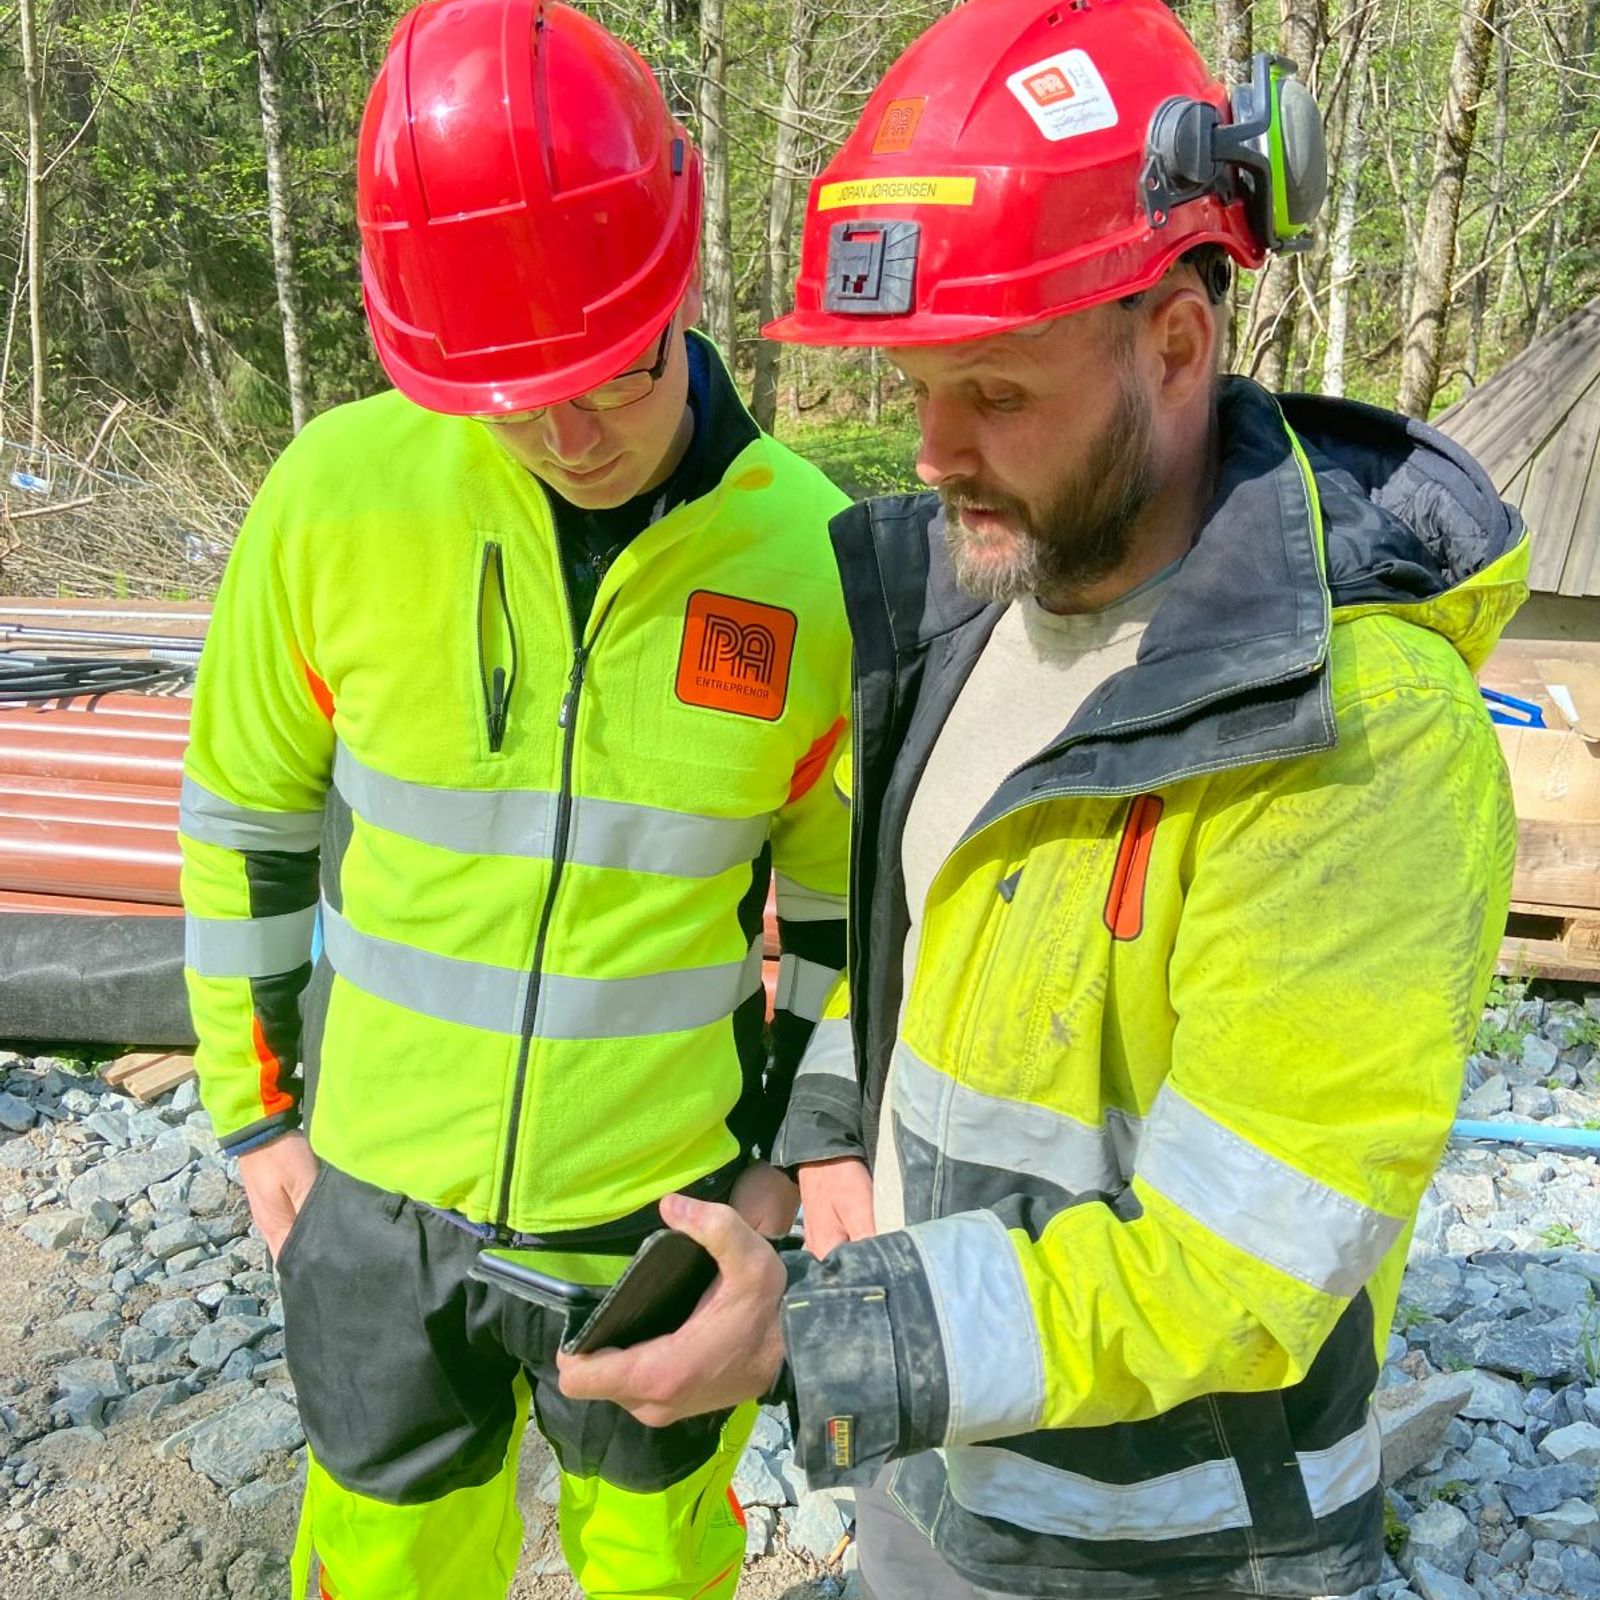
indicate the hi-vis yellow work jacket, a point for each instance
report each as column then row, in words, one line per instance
column 1186, row 1032
column 540, row 908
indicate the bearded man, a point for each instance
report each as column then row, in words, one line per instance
column 1181, row 848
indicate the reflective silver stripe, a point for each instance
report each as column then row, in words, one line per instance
column 1207, row 1498
column 797, row 903
column 213, row 820
column 248, row 947
column 1344, row 1471
column 469, row 992
column 478, row 995
column 994, row 1360
column 830, row 1052
column 1260, row 1204
column 968, row 1125
column 522, row 822
column 803, row 987
column 661, row 1002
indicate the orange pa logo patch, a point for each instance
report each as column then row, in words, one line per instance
column 1049, row 86
column 899, row 125
column 735, row 655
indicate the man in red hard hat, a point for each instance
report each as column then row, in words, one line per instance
column 1182, row 848
column 545, row 649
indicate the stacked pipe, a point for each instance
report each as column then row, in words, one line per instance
column 89, row 809
column 89, row 805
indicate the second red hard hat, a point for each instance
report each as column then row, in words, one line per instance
column 529, row 208
column 998, row 177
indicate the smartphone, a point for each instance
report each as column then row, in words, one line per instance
column 656, row 1294
column 569, row 1283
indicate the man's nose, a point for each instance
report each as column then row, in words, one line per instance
column 570, row 433
column 947, row 449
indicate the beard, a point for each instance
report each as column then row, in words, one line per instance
column 1083, row 530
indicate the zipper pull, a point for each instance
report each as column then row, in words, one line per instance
column 580, row 659
column 497, row 708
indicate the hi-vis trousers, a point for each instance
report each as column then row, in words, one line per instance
column 415, row 1383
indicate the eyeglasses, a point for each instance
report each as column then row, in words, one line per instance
column 626, row 389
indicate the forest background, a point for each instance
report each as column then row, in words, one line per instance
column 179, row 285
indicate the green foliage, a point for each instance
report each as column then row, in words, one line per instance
column 1394, row 1531
column 158, row 275
column 1408, row 1316
column 1561, row 1236
column 860, row 458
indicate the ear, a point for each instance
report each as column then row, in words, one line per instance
column 1182, row 340
column 694, row 297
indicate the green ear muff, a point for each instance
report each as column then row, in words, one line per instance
column 1271, row 154
column 1299, row 157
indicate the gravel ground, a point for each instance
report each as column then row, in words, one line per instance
column 148, row 1438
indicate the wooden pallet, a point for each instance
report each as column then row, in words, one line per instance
column 1551, row 942
column 147, row 1075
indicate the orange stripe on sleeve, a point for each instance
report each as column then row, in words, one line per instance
column 320, row 693
column 815, row 761
column 273, row 1098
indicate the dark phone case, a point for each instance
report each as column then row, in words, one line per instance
column 656, row 1293
column 554, row 1294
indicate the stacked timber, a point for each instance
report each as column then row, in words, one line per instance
column 1554, row 928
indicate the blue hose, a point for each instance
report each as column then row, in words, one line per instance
column 1531, row 1133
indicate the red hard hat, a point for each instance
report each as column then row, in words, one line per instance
column 529, row 208
column 996, row 178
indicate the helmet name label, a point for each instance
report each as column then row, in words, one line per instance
column 897, row 192
column 735, row 655
column 1064, row 95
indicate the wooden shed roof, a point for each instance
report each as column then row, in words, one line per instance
column 1535, row 426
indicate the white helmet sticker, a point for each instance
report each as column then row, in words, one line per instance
column 1065, row 95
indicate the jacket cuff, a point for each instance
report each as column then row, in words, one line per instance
column 863, row 1356
column 260, row 1133
column 814, row 1131
column 823, row 1121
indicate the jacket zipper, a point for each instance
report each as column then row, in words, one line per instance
column 497, row 646
column 567, row 722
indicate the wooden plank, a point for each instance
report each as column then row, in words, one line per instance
column 145, row 1074
column 119, row 1071
column 1558, row 864
column 1546, row 958
column 1550, row 942
column 153, row 1081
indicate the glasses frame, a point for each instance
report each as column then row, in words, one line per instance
column 585, row 401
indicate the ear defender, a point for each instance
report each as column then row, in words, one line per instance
column 1271, row 154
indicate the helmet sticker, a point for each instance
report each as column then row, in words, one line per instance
column 899, row 125
column 1065, row 95
column 897, row 192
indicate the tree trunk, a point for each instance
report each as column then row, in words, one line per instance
column 1497, row 208
column 211, row 382
column 1436, row 255
column 269, row 78
column 719, row 289
column 780, row 204
column 33, row 214
column 1272, row 333
column 1235, row 36
column 1347, row 188
column 1572, row 35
